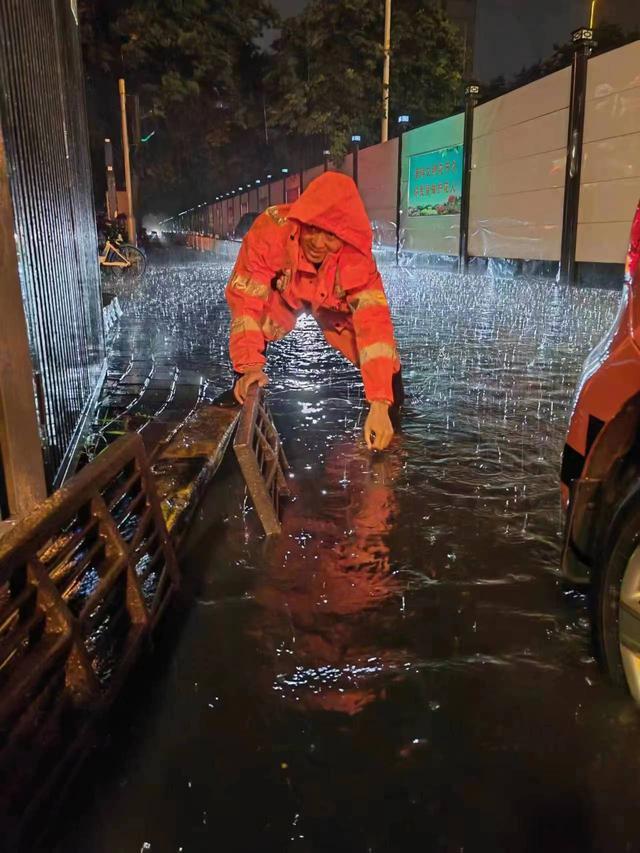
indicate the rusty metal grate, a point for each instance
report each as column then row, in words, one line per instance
column 83, row 580
column 262, row 461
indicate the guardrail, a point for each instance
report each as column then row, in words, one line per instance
column 201, row 242
column 83, row 580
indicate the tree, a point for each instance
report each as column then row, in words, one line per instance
column 197, row 71
column 327, row 70
column 607, row 36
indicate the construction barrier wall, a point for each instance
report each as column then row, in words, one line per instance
column 610, row 181
column 377, row 182
column 518, row 164
column 517, row 184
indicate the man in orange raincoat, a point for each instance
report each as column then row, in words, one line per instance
column 315, row 256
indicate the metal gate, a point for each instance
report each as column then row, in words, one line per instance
column 43, row 122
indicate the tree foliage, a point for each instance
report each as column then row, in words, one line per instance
column 326, row 78
column 607, row 36
column 197, row 71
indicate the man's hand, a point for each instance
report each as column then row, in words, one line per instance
column 378, row 430
column 242, row 385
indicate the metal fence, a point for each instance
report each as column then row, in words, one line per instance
column 84, row 580
column 43, row 122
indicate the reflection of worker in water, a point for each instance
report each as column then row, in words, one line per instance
column 315, row 256
column 323, row 600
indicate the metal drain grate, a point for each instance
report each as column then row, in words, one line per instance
column 262, row 461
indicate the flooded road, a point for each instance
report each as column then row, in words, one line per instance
column 402, row 669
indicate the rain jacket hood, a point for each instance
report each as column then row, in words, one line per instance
column 332, row 202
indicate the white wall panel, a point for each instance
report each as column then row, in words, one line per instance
column 346, row 166
column 377, row 180
column 603, row 242
column 524, row 240
column 615, row 115
column 543, row 97
column 518, row 165
column 263, row 198
column 535, row 136
column 610, row 201
column 614, row 71
column 312, row 174
column 518, row 225
column 525, row 174
column 611, row 157
column 277, row 192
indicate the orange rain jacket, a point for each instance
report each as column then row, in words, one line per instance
column 272, row 284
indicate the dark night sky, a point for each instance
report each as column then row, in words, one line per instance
column 510, row 33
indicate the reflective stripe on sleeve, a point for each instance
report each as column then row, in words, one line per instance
column 367, row 298
column 249, row 286
column 244, row 323
column 378, row 350
column 272, row 330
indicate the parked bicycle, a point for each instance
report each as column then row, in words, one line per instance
column 123, row 259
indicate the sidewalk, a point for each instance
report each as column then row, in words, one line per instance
column 167, row 363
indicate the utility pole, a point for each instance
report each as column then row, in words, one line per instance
column 131, row 223
column 384, row 135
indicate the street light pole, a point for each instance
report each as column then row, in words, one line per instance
column 356, row 139
column 384, row 135
column 131, row 223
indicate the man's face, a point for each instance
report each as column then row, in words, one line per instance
column 317, row 244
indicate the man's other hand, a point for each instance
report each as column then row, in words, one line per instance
column 242, row 385
column 378, row 430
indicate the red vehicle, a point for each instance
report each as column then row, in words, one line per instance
column 601, row 483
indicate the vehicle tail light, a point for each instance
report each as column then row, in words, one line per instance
column 633, row 255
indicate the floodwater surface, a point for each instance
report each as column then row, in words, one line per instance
column 402, row 669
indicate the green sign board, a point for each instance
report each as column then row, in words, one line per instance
column 435, row 182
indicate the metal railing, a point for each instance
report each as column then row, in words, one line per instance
column 261, row 458
column 83, row 580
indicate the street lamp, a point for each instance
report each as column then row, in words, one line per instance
column 356, row 139
column 285, row 172
column 326, row 154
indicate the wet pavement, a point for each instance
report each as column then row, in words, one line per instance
column 402, row 669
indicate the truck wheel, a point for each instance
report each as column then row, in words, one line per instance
column 617, row 602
